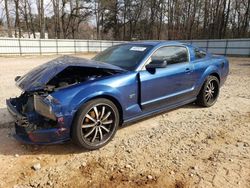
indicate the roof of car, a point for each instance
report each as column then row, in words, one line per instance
column 156, row 42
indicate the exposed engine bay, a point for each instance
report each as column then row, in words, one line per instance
column 30, row 102
column 75, row 75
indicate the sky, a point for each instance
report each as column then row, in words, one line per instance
column 47, row 6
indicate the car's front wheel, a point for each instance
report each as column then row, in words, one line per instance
column 95, row 124
column 209, row 92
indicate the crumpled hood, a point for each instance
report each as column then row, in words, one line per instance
column 38, row 77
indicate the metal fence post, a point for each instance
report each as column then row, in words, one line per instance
column 225, row 53
column 20, row 46
column 40, row 47
column 100, row 45
column 88, row 45
column 75, row 45
column 249, row 49
column 207, row 46
column 57, row 46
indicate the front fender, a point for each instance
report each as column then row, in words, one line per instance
column 123, row 88
column 91, row 92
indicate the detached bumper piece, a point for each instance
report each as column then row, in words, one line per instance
column 33, row 129
column 20, row 119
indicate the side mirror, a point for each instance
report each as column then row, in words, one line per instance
column 156, row 64
column 17, row 78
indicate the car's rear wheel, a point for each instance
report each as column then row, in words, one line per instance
column 209, row 92
column 95, row 124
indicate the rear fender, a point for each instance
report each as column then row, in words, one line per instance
column 210, row 70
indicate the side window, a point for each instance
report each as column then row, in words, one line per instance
column 173, row 54
column 199, row 54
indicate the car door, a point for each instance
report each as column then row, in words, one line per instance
column 169, row 85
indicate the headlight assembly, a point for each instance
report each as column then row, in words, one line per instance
column 52, row 100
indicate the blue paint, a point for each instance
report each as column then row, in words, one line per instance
column 139, row 92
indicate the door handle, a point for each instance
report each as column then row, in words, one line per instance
column 188, row 70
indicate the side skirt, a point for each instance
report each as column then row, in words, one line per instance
column 157, row 111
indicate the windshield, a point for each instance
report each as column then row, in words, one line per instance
column 126, row 56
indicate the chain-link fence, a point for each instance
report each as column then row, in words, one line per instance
column 13, row 46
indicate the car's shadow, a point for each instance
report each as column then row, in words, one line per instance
column 9, row 146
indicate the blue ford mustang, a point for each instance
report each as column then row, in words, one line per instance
column 86, row 100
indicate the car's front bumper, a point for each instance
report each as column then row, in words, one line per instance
column 30, row 133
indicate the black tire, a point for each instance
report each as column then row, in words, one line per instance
column 95, row 124
column 209, row 92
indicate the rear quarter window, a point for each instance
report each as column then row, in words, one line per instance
column 199, row 54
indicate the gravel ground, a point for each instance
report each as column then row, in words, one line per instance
column 186, row 147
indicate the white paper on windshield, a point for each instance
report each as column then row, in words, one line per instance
column 138, row 48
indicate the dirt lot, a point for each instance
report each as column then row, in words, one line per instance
column 186, row 147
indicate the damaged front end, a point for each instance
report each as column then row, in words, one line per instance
column 41, row 118
column 36, row 119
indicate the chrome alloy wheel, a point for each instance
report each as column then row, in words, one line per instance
column 98, row 124
column 211, row 91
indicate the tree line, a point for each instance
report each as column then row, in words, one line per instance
column 127, row 19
